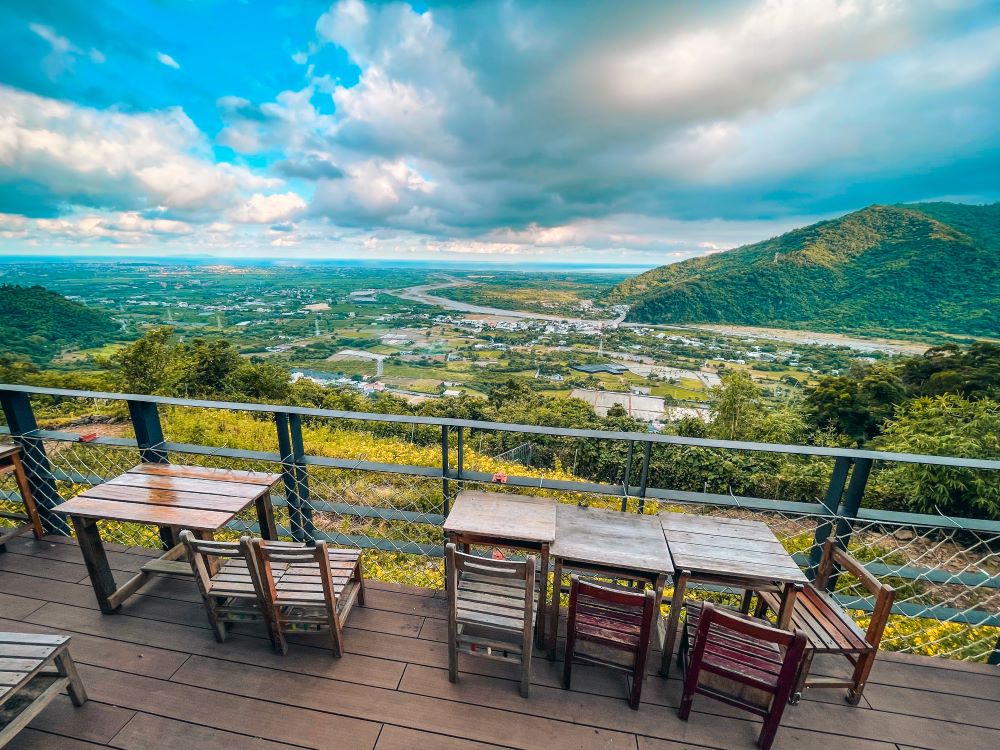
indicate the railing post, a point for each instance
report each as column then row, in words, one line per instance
column 149, row 438
column 308, row 530
column 849, row 508
column 461, row 452
column 994, row 657
column 627, row 479
column 288, row 476
column 831, row 502
column 444, row 468
column 21, row 422
column 644, row 476
column 148, row 431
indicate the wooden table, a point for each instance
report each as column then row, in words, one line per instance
column 726, row 552
column 173, row 498
column 503, row 520
column 10, row 463
column 607, row 543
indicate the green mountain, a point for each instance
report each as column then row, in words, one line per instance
column 907, row 268
column 38, row 323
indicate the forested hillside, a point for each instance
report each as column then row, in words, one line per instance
column 37, row 323
column 921, row 267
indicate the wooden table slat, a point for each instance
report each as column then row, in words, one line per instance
column 610, row 538
column 144, row 495
column 260, row 478
column 183, row 484
column 113, row 510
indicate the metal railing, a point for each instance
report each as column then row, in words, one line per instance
column 946, row 570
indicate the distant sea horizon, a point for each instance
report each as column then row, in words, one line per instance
column 212, row 260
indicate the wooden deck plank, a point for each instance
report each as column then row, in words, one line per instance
column 476, row 723
column 34, row 739
column 87, row 649
column 230, row 712
column 145, row 731
column 400, row 738
column 93, row 721
column 199, row 641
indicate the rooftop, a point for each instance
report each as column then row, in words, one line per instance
column 157, row 678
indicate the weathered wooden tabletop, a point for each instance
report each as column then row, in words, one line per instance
column 503, row 516
column 610, row 539
column 729, row 547
column 192, row 497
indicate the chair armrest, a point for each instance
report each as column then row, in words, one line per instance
column 859, row 571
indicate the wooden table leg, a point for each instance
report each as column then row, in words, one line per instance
column 658, row 585
column 26, row 497
column 543, row 595
column 787, row 607
column 554, row 607
column 680, row 583
column 265, row 517
column 96, row 560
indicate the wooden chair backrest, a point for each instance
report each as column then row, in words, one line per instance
column 512, row 570
column 204, row 554
column 267, row 554
column 614, row 600
column 636, row 600
column 793, row 643
column 836, row 558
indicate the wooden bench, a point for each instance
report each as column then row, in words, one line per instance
column 10, row 463
column 831, row 630
column 34, row 669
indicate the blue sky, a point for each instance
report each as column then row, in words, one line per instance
column 638, row 133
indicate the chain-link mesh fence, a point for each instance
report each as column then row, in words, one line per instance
column 947, row 578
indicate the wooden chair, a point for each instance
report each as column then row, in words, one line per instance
column 36, row 669
column 831, row 630
column 491, row 610
column 10, row 463
column 308, row 589
column 741, row 661
column 609, row 627
column 227, row 580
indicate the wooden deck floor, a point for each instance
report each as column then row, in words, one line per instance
column 157, row 679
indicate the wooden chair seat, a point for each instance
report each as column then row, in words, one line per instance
column 828, row 628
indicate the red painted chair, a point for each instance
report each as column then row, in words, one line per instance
column 609, row 627
column 740, row 661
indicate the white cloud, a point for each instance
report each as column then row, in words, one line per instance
column 114, row 158
column 167, row 60
column 268, row 209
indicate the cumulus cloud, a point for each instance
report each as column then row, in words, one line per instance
column 268, row 209
column 114, row 159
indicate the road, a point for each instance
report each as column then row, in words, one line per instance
column 421, row 294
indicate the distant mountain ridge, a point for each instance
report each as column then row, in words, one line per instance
column 38, row 323
column 918, row 267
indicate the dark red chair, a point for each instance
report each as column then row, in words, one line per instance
column 740, row 661
column 609, row 627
